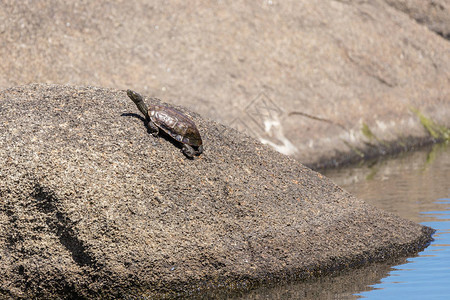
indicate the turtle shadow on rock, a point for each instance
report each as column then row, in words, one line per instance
column 160, row 133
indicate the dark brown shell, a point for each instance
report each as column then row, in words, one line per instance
column 176, row 124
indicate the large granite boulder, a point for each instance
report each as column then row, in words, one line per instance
column 93, row 206
column 310, row 78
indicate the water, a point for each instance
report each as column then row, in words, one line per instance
column 415, row 186
column 426, row 276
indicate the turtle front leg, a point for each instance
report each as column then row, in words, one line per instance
column 188, row 151
column 200, row 150
column 154, row 130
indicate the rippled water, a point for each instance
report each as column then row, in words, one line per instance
column 415, row 186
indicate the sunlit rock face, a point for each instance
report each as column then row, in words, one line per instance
column 322, row 70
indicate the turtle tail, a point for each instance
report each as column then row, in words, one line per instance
column 139, row 101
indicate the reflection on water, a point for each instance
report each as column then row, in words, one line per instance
column 426, row 276
column 415, row 186
column 408, row 185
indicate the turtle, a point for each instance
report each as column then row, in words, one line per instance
column 173, row 122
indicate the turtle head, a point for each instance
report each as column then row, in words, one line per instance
column 139, row 101
column 134, row 96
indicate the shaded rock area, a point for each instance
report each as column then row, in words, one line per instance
column 327, row 82
column 435, row 14
column 344, row 286
column 93, row 206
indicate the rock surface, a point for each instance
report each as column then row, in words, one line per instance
column 93, row 206
column 310, row 78
column 435, row 14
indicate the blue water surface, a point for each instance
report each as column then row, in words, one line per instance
column 415, row 186
column 426, row 276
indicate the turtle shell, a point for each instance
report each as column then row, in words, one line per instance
column 176, row 124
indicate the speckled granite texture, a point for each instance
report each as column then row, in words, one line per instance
column 93, row 206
